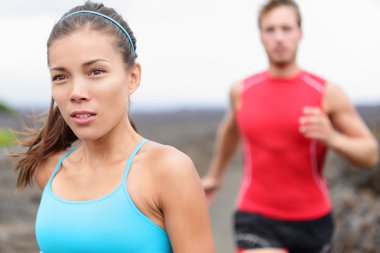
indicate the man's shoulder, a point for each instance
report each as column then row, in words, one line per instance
column 252, row 80
column 256, row 77
column 308, row 76
column 316, row 82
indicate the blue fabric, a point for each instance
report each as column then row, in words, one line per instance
column 111, row 223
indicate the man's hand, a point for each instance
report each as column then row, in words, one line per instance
column 316, row 125
column 210, row 185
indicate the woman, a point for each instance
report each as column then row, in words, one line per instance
column 115, row 191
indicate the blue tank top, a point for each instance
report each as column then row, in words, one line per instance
column 112, row 223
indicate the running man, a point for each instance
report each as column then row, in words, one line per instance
column 286, row 119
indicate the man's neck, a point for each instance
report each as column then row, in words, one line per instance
column 283, row 71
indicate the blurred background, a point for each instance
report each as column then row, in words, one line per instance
column 191, row 52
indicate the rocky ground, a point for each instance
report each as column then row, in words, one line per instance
column 355, row 193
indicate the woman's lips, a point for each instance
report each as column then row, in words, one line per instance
column 82, row 117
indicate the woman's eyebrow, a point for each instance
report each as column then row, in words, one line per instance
column 86, row 64
column 57, row 68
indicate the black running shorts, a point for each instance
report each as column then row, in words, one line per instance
column 254, row 231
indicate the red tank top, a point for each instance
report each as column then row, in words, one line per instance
column 283, row 169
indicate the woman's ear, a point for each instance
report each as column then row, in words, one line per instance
column 135, row 76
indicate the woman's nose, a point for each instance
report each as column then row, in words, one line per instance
column 79, row 92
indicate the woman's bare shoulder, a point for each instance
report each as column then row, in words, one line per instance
column 170, row 170
column 46, row 167
column 166, row 159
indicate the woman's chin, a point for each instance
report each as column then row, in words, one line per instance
column 88, row 136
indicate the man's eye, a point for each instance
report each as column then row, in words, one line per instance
column 269, row 30
column 286, row 28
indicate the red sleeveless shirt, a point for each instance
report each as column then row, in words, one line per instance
column 282, row 169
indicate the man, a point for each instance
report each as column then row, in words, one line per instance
column 286, row 118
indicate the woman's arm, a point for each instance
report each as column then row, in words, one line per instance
column 183, row 203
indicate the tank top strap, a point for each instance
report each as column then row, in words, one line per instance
column 130, row 159
column 59, row 165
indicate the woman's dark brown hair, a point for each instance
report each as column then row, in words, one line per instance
column 55, row 135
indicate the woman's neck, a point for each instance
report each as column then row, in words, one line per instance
column 116, row 145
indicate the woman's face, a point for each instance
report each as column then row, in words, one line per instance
column 90, row 82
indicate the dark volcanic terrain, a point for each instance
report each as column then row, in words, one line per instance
column 355, row 193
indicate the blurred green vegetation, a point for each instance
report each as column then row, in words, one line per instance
column 5, row 108
column 6, row 137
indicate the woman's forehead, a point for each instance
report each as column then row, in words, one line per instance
column 85, row 36
column 84, row 43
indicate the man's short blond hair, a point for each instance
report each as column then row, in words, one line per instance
column 273, row 4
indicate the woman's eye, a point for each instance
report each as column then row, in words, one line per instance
column 58, row 78
column 96, row 72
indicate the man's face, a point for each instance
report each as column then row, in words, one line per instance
column 280, row 35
